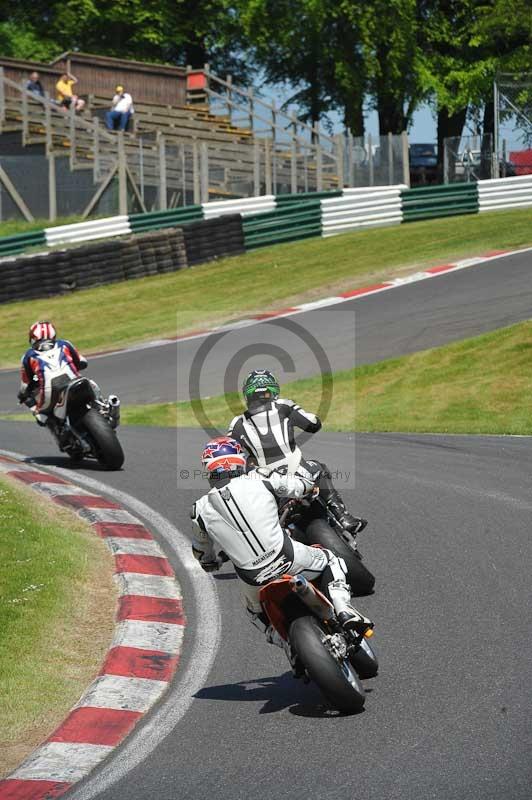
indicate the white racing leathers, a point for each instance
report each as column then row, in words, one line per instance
column 242, row 519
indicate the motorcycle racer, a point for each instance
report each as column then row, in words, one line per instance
column 239, row 516
column 45, row 355
column 266, row 430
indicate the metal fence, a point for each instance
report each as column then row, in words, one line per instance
column 513, row 124
column 468, row 158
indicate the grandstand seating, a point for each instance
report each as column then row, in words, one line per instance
column 206, row 155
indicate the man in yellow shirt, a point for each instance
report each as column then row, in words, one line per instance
column 65, row 95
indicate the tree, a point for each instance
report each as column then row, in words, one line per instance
column 172, row 31
column 393, row 61
column 337, row 52
column 464, row 43
column 290, row 43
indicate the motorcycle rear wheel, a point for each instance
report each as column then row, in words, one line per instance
column 336, row 680
column 107, row 448
column 359, row 577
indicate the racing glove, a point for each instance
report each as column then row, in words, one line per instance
column 206, row 561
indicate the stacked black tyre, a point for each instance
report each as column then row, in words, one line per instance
column 215, row 238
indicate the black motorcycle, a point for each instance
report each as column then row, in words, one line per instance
column 309, row 521
column 83, row 422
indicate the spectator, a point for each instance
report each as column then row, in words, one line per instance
column 34, row 84
column 121, row 110
column 65, row 96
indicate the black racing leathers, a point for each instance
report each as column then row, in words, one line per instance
column 267, row 432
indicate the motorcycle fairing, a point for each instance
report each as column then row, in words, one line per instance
column 79, row 394
column 48, row 366
column 273, row 599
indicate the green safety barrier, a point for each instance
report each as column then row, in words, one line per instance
column 288, row 224
column 154, row 220
column 431, row 202
column 12, row 245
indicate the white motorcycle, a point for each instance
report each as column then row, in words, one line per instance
column 81, row 420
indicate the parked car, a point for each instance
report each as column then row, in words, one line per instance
column 423, row 164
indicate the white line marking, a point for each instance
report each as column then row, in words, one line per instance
column 61, row 761
column 147, row 585
column 163, row 636
column 120, row 545
column 203, row 643
column 128, row 694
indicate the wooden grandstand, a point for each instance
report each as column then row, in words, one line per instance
column 218, row 144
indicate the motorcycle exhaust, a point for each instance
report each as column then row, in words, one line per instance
column 306, row 593
column 114, row 410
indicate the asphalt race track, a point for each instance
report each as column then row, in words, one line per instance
column 447, row 718
column 400, row 321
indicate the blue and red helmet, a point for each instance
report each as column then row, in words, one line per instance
column 223, row 456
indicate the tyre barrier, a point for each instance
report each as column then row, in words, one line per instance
column 214, row 238
column 154, row 253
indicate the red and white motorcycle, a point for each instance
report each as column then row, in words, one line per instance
column 81, row 420
column 319, row 648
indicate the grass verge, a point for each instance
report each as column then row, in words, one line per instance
column 479, row 385
column 274, row 277
column 57, row 602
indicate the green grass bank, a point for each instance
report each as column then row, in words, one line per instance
column 57, row 602
column 166, row 305
column 479, row 385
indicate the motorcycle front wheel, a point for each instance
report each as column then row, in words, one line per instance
column 104, row 440
column 359, row 577
column 335, row 678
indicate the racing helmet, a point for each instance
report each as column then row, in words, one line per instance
column 259, row 387
column 41, row 333
column 223, row 458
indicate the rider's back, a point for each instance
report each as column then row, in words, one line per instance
column 243, row 519
column 268, row 431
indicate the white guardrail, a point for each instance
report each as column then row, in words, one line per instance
column 503, row 193
column 244, row 206
column 362, row 208
column 355, row 208
column 87, row 231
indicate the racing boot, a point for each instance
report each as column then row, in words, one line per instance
column 349, row 618
column 347, row 520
